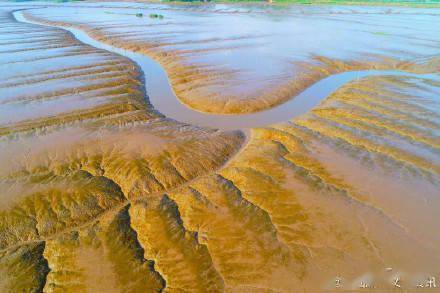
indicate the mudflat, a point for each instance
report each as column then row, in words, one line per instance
column 150, row 147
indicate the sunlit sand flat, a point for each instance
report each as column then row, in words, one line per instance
column 246, row 61
column 237, row 148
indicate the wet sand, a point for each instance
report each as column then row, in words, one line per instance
column 348, row 189
column 211, row 64
column 163, row 98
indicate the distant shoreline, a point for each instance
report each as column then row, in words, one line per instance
column 383, row 3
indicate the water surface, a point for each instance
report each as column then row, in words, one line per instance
column 164, row 100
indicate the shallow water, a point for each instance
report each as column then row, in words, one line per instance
column 353, row 183
column 163, row 99
column 52, row 75
column 259, row 44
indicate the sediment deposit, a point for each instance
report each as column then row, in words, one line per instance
column 100, row 192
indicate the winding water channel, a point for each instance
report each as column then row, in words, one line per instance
column 162, row 97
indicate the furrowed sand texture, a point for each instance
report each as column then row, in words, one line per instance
column 212, row 64
column 100, row 192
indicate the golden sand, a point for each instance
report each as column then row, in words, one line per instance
column 116, row 197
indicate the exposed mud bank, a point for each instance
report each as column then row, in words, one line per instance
column 209, row 87
column 164, row 99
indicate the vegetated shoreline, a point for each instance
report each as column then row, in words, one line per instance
column 280, row 3
column 384, row 3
